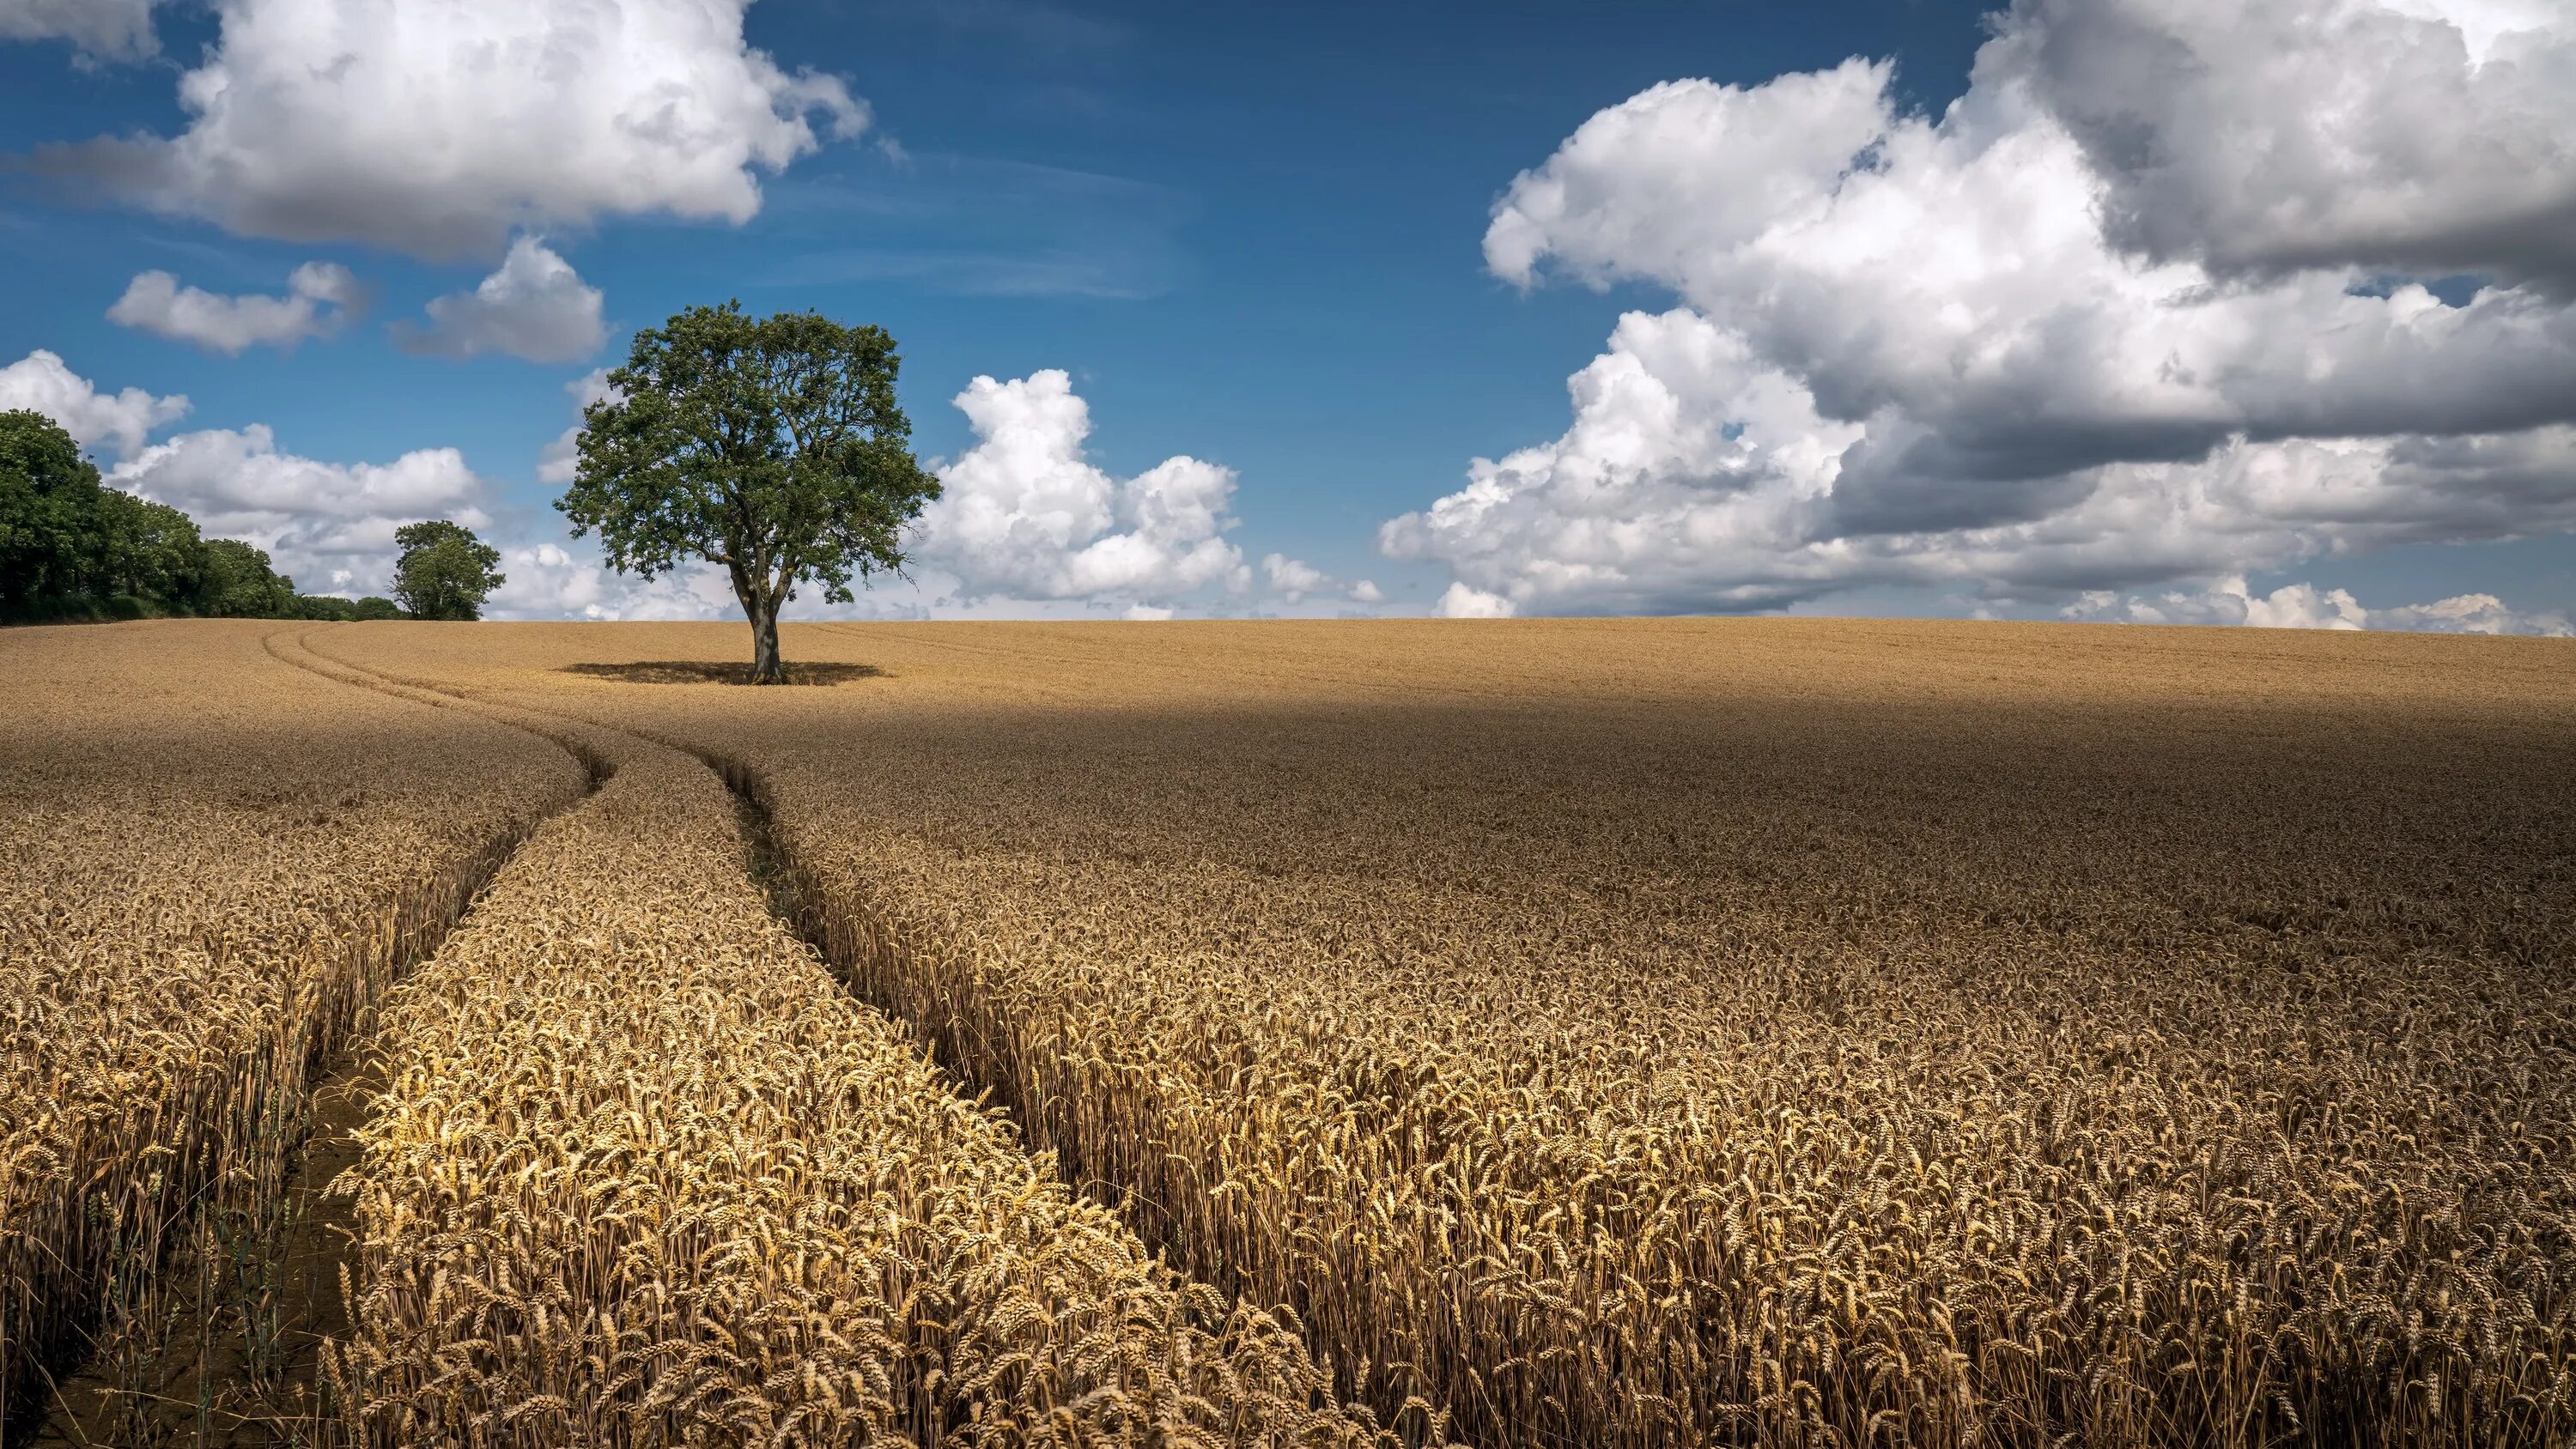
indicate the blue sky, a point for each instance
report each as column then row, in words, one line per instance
column 1258, row 236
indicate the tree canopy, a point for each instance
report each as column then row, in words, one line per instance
column 71, row 547
column 240, row 583
column 774, row 448
column 445, row 571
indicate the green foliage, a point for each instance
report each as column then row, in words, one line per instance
column 445, row 571
column 149, row 550
column 346, row 611
column 240, row 584
column 773, row 447
column 54, row 523
column 72, row 547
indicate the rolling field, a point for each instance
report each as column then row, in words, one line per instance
column 1621, row 1033
column 211, row 866
column 642, row 1174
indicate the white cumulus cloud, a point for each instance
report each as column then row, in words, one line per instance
column 546, row 580
column 100, row 29
column 2411, row 135
column 561, row 461
column 1024, row 515
column 1293, row 578
column 2088, row 329
column 119, row 421
column 2305, row 606
column 319, row 521
column 320, row 298
column 534, row 307
column 1459, row 601
column 436, row 127
column 2472, row 614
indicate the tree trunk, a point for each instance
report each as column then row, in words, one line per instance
column 766, row 668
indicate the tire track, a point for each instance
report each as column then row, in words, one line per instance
column 305, row 1243
column 1266, row 1383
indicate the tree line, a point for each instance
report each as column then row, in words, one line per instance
column 73, row 548
column 773, row 448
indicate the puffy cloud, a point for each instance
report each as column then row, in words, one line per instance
column 2305, row 606
column 546, row 580
column 1725, row 163
column 1956, row 351
column 2413, row 135
column 1459, row 601
column 435, row 127
column 320, row 297
column 1292, row 578
column 120, row 420
column 1025, row 516
column 2291, row 606
column 1365, row 592
column 1696, row 475
column 318, row 521
column 536, row 307
column 561, row 461
column 2472, row 614
column 101, row 29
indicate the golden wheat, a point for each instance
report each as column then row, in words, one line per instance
column 643, row 1174
column 211, row 865
column 1775, row 1032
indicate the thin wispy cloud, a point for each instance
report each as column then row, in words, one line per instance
column 976, row 226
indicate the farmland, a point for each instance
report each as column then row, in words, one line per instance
column 215, row 865
column 1610, row 1033
column 643, row 1174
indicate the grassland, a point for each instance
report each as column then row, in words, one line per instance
column 1610, row 1033
column 1778, row 1031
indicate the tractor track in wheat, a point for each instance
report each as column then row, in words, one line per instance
column 210, row 1333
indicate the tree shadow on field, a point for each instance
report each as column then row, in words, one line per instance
column 692, row 671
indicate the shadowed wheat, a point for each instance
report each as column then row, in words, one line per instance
column 211, row 865
column 1777, row 1031
column 643, row 1175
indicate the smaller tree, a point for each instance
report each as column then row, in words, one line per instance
column 772, row 447
column 445, row 571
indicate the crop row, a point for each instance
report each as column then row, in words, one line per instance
column 212, row 866
column 1850, row 1076
column 643, row 1173
column 1780, row 1032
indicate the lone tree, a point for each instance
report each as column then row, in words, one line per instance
column 772, row 447
column 445, row 571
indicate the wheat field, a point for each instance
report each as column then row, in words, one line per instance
column 212, row 865
column 1541, row 1033
column 643, row 1174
